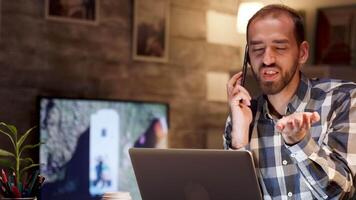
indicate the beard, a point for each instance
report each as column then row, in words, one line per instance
column 274, row 87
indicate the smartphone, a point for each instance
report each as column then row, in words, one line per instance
column 252, row 85
column 244, row 67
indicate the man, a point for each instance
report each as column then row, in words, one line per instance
column 301, row 132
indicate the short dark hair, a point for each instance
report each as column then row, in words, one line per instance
column 276, row 10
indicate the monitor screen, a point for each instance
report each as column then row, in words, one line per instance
column 86, row 142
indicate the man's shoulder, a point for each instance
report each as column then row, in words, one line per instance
column 332, row 85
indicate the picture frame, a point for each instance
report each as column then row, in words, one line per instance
column 0, row 18
column 335, row 41
column 78, row 11
column 151, row 30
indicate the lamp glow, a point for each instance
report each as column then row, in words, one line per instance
column 245, row 12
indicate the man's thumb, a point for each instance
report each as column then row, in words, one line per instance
column 315, row 117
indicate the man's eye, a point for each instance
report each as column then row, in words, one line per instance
column 257, row 50
column 281, row 48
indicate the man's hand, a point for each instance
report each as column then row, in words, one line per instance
column 295, row 126
column 241, row 115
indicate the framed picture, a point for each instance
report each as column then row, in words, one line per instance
column 82, row 11
column 335, row 36
column 150, row 30
column 0, row 18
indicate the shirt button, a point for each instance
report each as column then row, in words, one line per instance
column 284, row 162
column 292, row 155
column 290, row 194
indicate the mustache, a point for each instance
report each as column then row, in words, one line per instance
column 270, row 65
column 263, row 66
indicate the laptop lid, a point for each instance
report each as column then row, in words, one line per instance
column 192, row 174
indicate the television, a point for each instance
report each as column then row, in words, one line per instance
column 86, row 142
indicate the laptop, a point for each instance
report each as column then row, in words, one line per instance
column 194, row 174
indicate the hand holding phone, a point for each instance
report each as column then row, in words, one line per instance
column 240, row 113
column 239, row 101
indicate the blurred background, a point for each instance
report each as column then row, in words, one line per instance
column 103, row 49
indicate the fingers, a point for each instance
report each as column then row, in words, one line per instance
column 281, row 124
column 292, row 125
column 306, row 121
column 297, row 121
column 233, row 81
column 235, row 78
column 239, row 89
column 240, row 94
column 279, row 127
column 240, row 98
column 236, row 93
column 315, row 117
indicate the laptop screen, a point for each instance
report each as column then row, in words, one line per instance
column 195, row 174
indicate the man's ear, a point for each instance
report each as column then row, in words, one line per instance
column 303, row 52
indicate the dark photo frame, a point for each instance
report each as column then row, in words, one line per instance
column 335, row 39
column 80, row 11
column 151, row 30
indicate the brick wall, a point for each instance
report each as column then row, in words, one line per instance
column 43, row 57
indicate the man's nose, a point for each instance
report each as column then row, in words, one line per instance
column 269, row 57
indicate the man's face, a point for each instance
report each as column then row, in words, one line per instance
column 274, row 53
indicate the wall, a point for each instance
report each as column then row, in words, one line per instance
column 43, row 57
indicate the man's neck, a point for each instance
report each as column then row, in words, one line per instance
column 280, row 100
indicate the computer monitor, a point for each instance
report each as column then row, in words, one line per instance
column 85, row 153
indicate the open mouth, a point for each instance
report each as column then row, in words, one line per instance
column 269, row 74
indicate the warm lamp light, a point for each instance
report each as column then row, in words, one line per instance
column 245, row 12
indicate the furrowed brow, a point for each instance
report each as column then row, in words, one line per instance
column 284, row 41
column 255, row 42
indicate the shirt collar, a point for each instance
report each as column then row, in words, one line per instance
column 299, row 97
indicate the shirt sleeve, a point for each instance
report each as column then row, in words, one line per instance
column 329, row 167
column 227, row 134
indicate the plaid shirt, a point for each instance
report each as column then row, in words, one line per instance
column 323, row 164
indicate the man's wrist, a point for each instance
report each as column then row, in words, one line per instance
column 290, row 141
column 239, row 138
column 237, row 145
